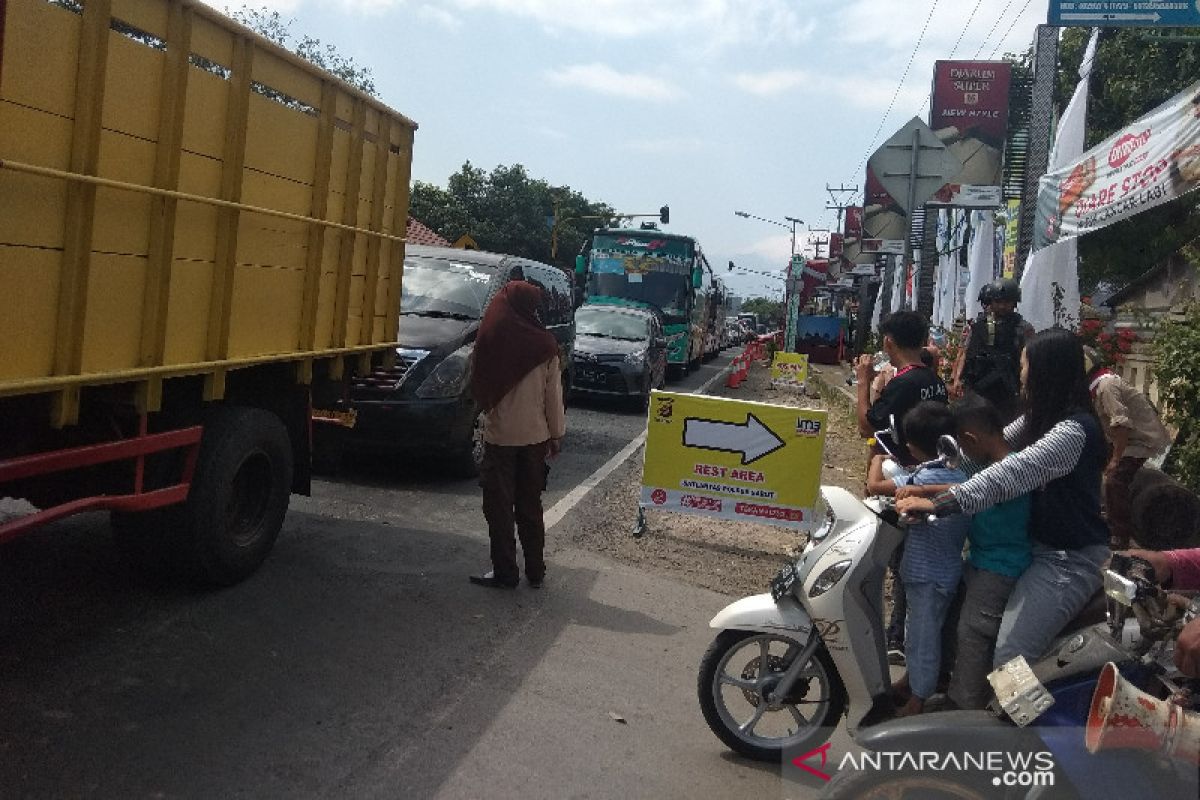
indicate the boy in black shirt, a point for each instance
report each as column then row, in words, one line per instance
column 904, row 336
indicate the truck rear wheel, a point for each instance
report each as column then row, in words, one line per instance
column 239, row 494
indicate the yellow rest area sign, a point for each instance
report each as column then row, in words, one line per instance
column 727, row 458
column 789, row 369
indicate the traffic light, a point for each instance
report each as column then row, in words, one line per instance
column 664, row 215
column 730, row 266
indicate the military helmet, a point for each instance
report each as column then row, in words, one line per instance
column 1004, row 289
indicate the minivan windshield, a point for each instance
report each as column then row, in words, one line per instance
column 610, row 324
column 439, row 288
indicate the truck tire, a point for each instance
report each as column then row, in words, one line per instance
column 239, row 495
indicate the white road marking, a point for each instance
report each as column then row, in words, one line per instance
column 572, row 498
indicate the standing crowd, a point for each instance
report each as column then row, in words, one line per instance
column 1051, row 442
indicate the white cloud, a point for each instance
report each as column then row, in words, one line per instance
column 859, row 91
column 773, row 82
column 675, row 145
column 603, row 79
column 776, row 249
column 897, row 26
column 549, row 133
column 704, row 22
column 440, row 16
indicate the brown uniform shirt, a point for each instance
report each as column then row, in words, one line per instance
column 531, row 412
column 1119, row 405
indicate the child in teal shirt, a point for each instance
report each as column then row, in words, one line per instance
column 999, row 552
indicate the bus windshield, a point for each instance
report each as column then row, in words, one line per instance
column 649, row 269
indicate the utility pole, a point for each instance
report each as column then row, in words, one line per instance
column 839, row 200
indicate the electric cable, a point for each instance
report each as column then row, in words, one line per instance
column 903, row 77
column 1012, row 25
column 992, row 30
column 963, row 33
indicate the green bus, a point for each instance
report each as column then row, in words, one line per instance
column 648, row 268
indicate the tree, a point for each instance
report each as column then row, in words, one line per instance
column 272, row 26
column 507, row 211
column 768, row 310
column 1133, row 74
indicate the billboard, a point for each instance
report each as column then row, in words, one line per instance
column 969, row 112
column 854, row 222
column 836, row 242
column 1147, row 163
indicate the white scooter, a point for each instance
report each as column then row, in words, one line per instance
column 787, row 664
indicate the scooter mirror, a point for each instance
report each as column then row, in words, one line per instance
column 888, row 434
column 949, row 451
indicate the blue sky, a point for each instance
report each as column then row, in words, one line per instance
column 711, row 106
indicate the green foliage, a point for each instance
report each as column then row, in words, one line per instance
column 271, row 25
column 769, row 311
column 1132, row 76
column 1177, row 369
column 507, row 211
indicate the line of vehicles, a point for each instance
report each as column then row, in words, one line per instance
column 213, row 285
column 642, row 307
column 215, row 293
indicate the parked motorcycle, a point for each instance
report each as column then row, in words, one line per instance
column 1076, row 701
column 787, row 664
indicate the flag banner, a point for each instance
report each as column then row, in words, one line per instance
column 1147, row 163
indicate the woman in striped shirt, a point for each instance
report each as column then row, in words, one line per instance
column 1059, row 455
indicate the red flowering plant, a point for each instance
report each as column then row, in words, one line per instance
column 1112, row 347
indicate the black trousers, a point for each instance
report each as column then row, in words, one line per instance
column 513, row 479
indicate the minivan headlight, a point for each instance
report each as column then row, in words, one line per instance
column 829, row 578
column 636, row 358
column 449, row 377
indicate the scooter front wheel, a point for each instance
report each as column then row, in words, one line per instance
column 738, row 675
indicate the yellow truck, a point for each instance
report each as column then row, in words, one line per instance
column 201, row 240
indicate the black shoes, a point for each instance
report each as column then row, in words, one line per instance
column 492, row 582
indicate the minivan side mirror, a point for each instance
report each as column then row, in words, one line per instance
column 580, row 264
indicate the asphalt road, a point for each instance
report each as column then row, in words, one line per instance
column 359, row 662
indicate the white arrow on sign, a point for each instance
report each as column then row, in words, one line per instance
column 1155, row 17
column 752, row 439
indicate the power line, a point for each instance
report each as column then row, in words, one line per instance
column 953, row 50
column 1004, row 38
column 992, row 30
column 963, row 33
column 912, row 57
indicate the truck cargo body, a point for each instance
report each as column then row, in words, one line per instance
column 201, row 236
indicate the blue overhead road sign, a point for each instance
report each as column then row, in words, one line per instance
column 1126, row 13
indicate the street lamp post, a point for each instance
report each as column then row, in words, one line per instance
column 792, row 220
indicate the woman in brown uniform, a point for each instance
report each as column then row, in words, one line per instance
column 516, row 381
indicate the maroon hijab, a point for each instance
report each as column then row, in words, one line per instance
column 511, row 342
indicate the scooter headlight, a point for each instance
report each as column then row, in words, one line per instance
column 829, row 578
